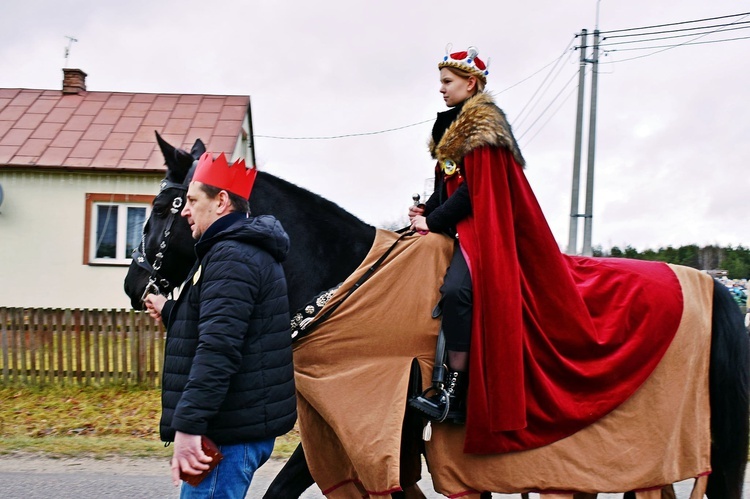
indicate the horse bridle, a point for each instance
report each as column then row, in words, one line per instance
column 156, row 283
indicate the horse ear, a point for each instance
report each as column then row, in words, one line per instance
column 166, row 149
column 198, row 149
column 178, row 161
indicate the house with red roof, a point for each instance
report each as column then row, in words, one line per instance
column 78, row 172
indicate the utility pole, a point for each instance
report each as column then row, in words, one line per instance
column 588, row 215
column 573, row 234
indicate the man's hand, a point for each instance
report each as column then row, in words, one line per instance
column 187, row 456
column 154, row 304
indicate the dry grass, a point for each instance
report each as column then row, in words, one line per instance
column 63, row 421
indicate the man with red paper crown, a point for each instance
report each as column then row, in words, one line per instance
column 536, row 338
column 228, row 371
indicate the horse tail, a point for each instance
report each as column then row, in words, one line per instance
column 729, row 382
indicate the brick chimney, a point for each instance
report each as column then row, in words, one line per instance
column 74, row 81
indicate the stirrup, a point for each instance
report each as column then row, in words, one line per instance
column 430, row 409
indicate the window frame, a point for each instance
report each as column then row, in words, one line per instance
column 122, row 201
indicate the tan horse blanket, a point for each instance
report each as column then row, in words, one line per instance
column 352, row 379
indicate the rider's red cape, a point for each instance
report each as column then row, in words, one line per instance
column 557, row 341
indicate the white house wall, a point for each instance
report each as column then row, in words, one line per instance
column 42, row 220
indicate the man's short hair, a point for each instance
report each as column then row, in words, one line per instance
column 238, row 203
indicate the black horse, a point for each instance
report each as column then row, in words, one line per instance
column 327, row 246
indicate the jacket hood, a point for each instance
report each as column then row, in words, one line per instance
column 263, row 231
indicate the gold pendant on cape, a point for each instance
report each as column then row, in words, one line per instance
column 449, row 167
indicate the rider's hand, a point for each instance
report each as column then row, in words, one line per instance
column 419, row 223
column 415, row 211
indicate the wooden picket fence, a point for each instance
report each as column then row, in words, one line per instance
column 81, row 347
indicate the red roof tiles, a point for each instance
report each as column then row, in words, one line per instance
column 111, row 130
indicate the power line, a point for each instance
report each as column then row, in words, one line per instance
column 664, row 48
column 549, row 105
column 667, row 47
column 521, row 116
column 572, row 90
column 343, row 136
column 558, row 59
column 644, row 40
column 535, row 72
column 677, row 30
column 387, row 130
column 673, row 24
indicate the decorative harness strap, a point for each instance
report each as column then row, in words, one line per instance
column 157, row 283
column 306, row 327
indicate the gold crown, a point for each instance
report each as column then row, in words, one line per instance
column 467, row 61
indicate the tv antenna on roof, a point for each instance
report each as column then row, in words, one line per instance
column 67, row 49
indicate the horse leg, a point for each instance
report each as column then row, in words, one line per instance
column 411, row 492
column 412, row 445
column 293, row 479
column 668, row 492
column 729, row 379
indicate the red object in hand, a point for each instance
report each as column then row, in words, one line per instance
column 212, row 451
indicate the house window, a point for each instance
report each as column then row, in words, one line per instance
column 114, row 223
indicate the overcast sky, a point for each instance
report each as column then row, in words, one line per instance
column 673, row 137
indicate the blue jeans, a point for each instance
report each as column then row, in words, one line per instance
column 232, row 477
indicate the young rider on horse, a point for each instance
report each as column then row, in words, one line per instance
column 541, row 334
column 472, row 123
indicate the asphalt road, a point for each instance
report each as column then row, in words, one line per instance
column 33, row 477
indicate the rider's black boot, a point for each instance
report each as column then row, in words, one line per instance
column 446, row 404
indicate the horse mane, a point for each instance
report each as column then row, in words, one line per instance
column 327, row 242
column 315, row 208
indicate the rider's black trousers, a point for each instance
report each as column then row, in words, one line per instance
column 456, row 304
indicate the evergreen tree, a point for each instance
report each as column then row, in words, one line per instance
column 650, row 255
column 736, row 261
column 631, row 252
column 689, row 256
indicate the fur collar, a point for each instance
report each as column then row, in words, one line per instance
column 480, row 123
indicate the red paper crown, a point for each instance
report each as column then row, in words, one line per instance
column 216, row 172
column 467, row 60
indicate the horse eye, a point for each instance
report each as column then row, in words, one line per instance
column 161, row 206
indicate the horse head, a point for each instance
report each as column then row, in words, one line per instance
column 327, row 242
column 165, row 255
